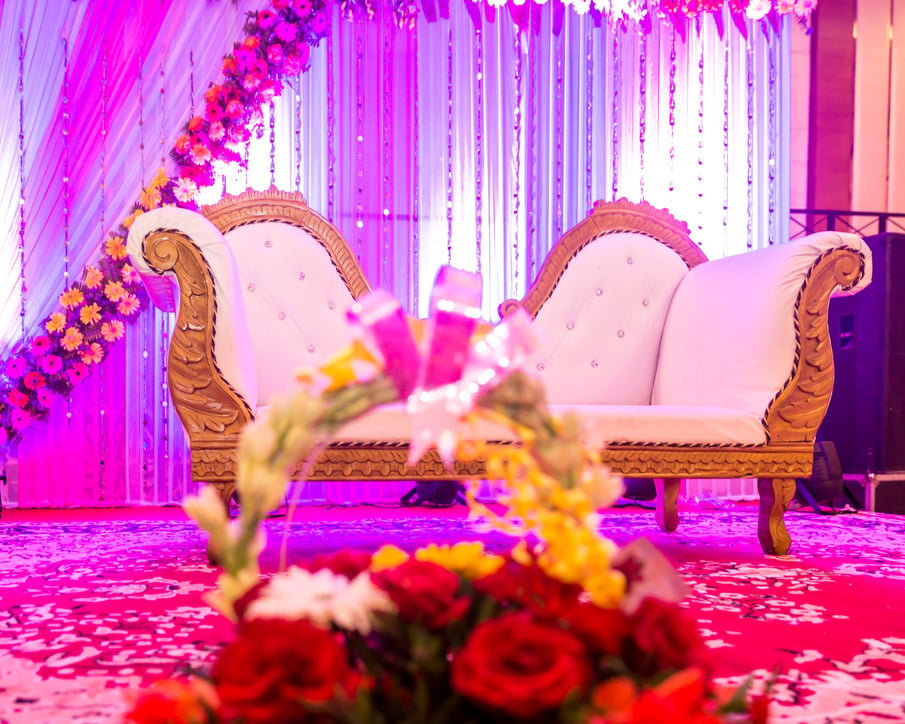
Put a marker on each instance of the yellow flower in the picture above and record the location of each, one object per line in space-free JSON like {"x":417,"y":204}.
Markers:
{"x":72,"y":339}
{"x":93,"y":277}
{"x":115,"y":247}
{"x":72,"y":297}
{"x":150,"y":198}
{"x":353,"y":364}
{"x":388,"y":556}
{"x":128,"y":224}
{"x":90,"y":314}
{"x":160,"y":180}
{"x":467,"y":559}
{"x":56,"y":323}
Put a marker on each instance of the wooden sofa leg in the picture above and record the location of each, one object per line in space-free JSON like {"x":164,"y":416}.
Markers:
{"x":775,"y":496}
{"x":667,"y":512}
{"x":225,"y":492}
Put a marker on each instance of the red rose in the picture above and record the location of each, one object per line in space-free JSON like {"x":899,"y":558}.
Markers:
{"x":174,"y":701}
{"x":519,"y":667}
{"x":275,"y":666}
{"x":603,"y":630}
{"x":425,"y":593}
{"x":666,"y":637}
{"x":531,"y":588}
{"x":345,"y":562}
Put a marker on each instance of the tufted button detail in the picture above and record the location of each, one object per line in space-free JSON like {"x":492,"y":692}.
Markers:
{"x":645,"y":302}
{"x":630,"y":260}
{"x":331,"y":306}
{"x":599,"y":292}
{"x":301,"y":276}
{"x":251,"y":287}
{"x":281,"y":315}
{"x":594,"y":363}
{"x":268,"y":243}
{"x":540,"y":366}
{"x":620,"y":333}
{"x":311,"y":348}
{"x":570,"y":325}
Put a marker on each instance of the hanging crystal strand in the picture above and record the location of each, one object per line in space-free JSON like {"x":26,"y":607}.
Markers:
{"x":749,"y":68}
{"x":726,"y":145}
{"x":21,"y":87}
{"x":478,"y":149}
{"x":141,"y":124}
{"x":558,"y":130}
{"x":771,"y":139}
{"x":102,"y":220}
{"x":642,"y":110}
{"x":359,"y":136}
{"x":700,"y":209}
{"x":615,"y":118}
{"x":589,"y":117}
{"x":672,"y":108}
{"x":191,"y":84}
{"x":416,"y":184}
{"x":273,"y":143}
{"x":331,"y":127}
{"x":163,"y":116}
{"x":449,"y":145}
{"x":298,"y":131}
{"x":387,"y":28}
{"x":65,"y":131}
{"x":516,"y":155}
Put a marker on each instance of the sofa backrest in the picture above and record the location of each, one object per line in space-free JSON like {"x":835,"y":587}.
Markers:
{"x":295,"y":301}
{"x":600,"y":328}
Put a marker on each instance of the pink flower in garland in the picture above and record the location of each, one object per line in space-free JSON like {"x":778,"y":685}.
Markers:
{"x":44,"y":397}
{"x":183,"y":143}
{"x":785,"y":6}
{"x":266,"y":19}
{"x":804,"y":8}
{"x":78,"y":372}
{"x":213,"y":112}
{"x":34,"y":380}
{"x":4,"y":436}
{"x":40,"y":345}
{"x":251,"y":81}
{"x":286,"y":32}
{"x":200,"y":154}
{"x":185,"y":191}
{"x":15,"y":368}
{"x":217,"y":131}
{"x":235,"y":108}
{"x":320,"y":23}
{"x":17,"y":398}
{"x":130,"y":274}
{"x":275,"y":54}
{"x":93,"y":354}
{"x":20,"y":419}
{"x":128,"y":305}
{"x":51,"y":364}
{"x":113,"y":330}
{"x":302,"y":7}
{"x":72,"y":339}
{"x":757,"y":9}
{"x":90,"y":314}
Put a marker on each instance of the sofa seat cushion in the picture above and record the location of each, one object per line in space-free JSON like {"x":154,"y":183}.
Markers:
{"x":606,"y":423}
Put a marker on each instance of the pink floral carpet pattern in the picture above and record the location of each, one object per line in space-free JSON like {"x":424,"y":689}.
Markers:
{"x":92,"y":609}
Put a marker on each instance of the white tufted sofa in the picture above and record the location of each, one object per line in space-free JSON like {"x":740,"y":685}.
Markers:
{"x":684,"y":367}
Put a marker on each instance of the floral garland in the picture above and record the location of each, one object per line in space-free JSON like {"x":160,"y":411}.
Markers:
{"x":278,"y":39}
{"x":562,"y":628}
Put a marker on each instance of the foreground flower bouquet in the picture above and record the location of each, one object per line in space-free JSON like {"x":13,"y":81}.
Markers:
{"x":563,"y":627}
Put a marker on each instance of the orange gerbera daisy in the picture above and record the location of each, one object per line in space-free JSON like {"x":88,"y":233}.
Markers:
{"x":113,"y":330}
{"x":129,"y":220}
{"x":72,"y":297}
{"x":56,"y":323}
{"x":130,"y":274}
{"x":90,"y":314}
{"x":115,"y":247}
{"x":150,"y":198}
{"x":93,"y":277}
{"x":160,"y":179}
{"x":114,"y":291}
{"x":72,"y":339}
{"x":92,"y":355}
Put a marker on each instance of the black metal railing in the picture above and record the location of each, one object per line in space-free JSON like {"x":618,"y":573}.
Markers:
{"x":866,"y":223}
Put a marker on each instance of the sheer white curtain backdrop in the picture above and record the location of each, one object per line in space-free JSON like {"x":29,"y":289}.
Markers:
{"x":455,"y":141}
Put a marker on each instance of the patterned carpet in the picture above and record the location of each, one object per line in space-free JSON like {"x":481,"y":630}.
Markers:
{"x":93,"y":606}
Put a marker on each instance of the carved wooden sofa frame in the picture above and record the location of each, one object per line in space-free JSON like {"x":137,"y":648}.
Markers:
{"x":214,"y":413}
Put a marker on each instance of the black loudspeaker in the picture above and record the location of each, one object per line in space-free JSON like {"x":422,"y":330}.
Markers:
{"x":866,"y":415}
